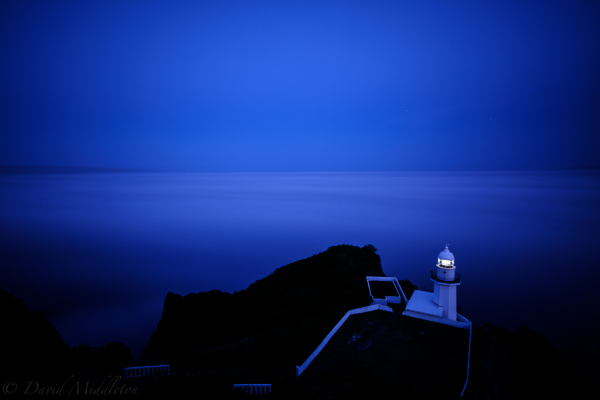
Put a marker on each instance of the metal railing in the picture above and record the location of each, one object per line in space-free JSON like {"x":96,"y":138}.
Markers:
{"x":435,"y":278}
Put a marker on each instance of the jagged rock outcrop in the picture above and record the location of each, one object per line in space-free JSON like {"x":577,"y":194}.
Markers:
{"x":32,"y":350}
{"x":277,"y":320}
{"x":31,"y":346}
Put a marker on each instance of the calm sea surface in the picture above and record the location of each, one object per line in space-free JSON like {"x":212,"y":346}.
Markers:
{"x":99,"y":251}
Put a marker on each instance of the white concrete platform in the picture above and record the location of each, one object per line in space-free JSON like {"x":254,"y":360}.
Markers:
{"x":422,"y":302}
{"x":421,"y":306}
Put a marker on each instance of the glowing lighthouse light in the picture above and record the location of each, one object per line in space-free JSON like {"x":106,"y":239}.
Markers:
{"x":446,"y":271}
{"x":446,"y":259}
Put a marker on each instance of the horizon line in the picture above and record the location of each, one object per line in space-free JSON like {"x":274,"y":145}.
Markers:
{"x":63,"y":168}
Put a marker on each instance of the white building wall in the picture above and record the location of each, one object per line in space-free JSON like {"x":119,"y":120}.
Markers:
{"x":444,"y":298}
{"x":451,"y":310}
{"x":393,"y":299}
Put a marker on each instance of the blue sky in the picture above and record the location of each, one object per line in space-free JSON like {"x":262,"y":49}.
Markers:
{"x":300,"y":86}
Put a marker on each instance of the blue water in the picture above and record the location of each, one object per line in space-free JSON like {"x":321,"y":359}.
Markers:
{"x":101,"y":250}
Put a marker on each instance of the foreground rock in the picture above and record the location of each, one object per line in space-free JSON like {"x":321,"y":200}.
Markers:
{"x":214,"y":339}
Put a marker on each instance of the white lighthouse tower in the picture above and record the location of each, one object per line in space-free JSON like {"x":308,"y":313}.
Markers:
{"x":439,"y":306}
{"x":445,"y":280}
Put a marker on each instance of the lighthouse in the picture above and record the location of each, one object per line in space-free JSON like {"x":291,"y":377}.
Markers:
{"x":439,"y":306}
{"x":445,"y":280}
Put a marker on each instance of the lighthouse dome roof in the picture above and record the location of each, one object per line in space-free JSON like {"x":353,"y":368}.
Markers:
{"x":446,"y":255}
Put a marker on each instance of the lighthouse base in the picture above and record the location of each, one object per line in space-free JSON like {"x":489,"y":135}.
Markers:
{"x":421,"y":306}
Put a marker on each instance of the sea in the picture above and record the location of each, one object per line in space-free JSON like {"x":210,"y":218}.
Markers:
{"x":97,"y":252}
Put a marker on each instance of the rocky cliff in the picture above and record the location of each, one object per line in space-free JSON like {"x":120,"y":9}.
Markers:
{"x":276,"y":321}
{"x":32,"y":349}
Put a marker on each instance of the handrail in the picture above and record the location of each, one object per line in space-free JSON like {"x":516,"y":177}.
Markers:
{"x":300,"y":369}
{"x":463,"y":319}
{"x":394,"y":280}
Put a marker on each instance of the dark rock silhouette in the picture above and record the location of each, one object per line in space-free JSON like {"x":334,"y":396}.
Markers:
{"x":521,"y":365}
{"x":112,"y":358}
{"x":32,"y":350}
{"x":30,"y":345}
{"x":282,"y":317}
